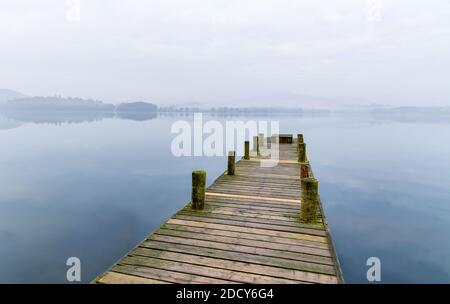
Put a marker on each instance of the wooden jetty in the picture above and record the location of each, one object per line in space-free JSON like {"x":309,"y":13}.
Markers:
{"x":250,"y":229}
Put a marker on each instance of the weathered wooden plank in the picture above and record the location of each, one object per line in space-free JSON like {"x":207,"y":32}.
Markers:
{"x":280,"y":161}
{"x":244,"y":242}
{"x":262,"y":198}
{"x":249,"y":174}
{"x":251,"y":218}
{"x":199,"y":218}
{"x":216,"y":244}
{"x":258,"y":214}
{"x":260,"y":179}
{"x":251,"y":203}
{"x":112,"y":277}
{"x":204,"y":271}
{"x":247,"y":236}
{"x":243,"y":257}
{"x":167,"y":275}
{"x":238,"y":266}
{"x":299,"y":236}
{"x":252,"y":213}
{"x":258,"y":183}
{"x":292,"y":193}
{"x":256,"y":191}
{"x":243,"y":205}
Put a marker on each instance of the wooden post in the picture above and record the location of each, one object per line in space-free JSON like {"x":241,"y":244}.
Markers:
{"x":304,"y":170}
{"x":247,"y":150}
{"x":255,"y":143}
{"x":198,"y":189}
{"x":274,"y":138}
{"x":285,"y":139}
{"x":231,"y":162}
{"x":299,"y":140}
{"x":301,"y":148}
{"x":309,"y":200}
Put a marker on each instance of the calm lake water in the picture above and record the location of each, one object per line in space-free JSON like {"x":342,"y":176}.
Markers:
{"x":93,"y":189}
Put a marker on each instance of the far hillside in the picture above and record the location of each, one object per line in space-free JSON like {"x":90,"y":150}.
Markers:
{"x":47,"y":104}
{"x":137,"y":107}
{"x":6,"y":95}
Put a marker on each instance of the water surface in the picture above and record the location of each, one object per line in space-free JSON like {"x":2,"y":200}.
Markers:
{"x":93,"y":188}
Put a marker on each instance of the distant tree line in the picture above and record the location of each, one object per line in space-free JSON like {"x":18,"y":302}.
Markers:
{"x":231,"y":110}
{"x":58,"y":103}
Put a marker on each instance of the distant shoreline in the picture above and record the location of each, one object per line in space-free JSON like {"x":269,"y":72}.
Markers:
{"x":58,"y":104}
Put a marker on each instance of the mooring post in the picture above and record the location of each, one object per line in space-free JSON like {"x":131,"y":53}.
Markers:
{"x":304,"y":170}
{"x":261,"y":139}
{"x":231,"y":162}
{"x":247,"y":149}
{"x":257,"y":144}
{"x":301,"y":148}
{"x":299,"y":139}
{"x":198,"y":189}
{"x":309,"y":199}
{"x":274,"y":138}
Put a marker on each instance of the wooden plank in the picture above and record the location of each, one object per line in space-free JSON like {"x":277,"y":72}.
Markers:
{"x":272,"y":199}
{"x":255,"y":180}
{"x":231,"y":276}
{"x":252,"y":218}
{"x":242,"y":205}
{"x":261,"y":190}
{"x":252,"y":213}
{"x":120,"y":278}
{"x":243,"y":236}
{"x":246,"y":203}
{"x":244,"y":242}
{"x":280,"y":161}
{"x":287,"y":181}
{"x":166,"y":275}
{"x":216,"y":244}
{"x":239,"y":256}
{"x":274,"y":194}
{"x":247,"y":224}
{"x":237,"y":266}
{"x":249,"y":174}
{"x":299,"y":236}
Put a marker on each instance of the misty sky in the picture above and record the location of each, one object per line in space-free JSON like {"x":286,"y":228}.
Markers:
{"x":173,"y":51}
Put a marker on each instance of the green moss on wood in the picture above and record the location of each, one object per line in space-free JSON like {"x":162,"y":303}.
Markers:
{"x":309,"y":200}
{"x":198,"y":189}
{"x":304,"y":170}
{"x":247,"y":150}
{"x":231,"y":162}
{"x":301,"y":148}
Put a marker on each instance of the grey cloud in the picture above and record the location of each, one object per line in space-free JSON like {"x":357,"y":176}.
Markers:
{"x":228,"y":51}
